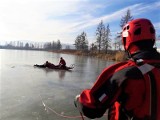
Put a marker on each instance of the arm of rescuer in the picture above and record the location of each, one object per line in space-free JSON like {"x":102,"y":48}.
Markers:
{"x":105,"y":92}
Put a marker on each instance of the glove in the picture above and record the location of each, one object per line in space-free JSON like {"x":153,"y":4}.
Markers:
{"x":77,"y":97}
{"x":76,"y":102}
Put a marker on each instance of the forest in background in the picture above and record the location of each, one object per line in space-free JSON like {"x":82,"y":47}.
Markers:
{"x":104,"y":47}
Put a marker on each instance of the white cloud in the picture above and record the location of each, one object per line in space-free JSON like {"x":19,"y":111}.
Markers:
{"x":53,"y":19}
{"x":106,"y":18}
{"x":40,"y":19}
{"x":117,"y":15}
{"x":29,"y":19}
{"x":157,"y":27}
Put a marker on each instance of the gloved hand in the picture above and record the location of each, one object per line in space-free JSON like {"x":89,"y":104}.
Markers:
{"x":76,"y":102}
{"x":78,"y":105}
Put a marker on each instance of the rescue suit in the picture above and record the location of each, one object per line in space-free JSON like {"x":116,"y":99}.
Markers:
{"x":127,"y":90}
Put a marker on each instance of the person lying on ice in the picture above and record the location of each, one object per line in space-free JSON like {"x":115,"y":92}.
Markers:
{"x":46,"y":65}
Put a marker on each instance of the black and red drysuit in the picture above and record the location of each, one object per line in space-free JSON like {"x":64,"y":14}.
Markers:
{"x":130,"y":90}
{"x":62,"y":63}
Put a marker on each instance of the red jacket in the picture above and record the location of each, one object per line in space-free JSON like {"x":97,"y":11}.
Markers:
{"x":62,"y":62}
{"x":132,"y":88}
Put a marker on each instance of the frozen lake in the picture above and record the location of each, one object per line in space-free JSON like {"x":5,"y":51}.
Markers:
{"x":24,"y":88}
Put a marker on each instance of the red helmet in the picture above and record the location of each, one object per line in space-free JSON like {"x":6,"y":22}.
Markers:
{"x":137,"y":30}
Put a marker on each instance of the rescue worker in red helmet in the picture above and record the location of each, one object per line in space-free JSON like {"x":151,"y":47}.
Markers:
{"x":129,"y":89}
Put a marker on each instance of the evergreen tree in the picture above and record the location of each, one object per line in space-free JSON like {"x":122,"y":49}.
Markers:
{"x":124,"y":20}
{"x":106,"y":39}
{"x":27,"y":45}
{"x":100,"y":35}
{"x":48,"y":46}
{"x":53,"y":45}
{"x":81,"y":42}
{"x":84,"y":41}
{"x":59,"y":46}
{"x":77,"y":42}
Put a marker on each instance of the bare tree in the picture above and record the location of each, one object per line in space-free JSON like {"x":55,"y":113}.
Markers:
{"x":93,"y":47}
{"x":67,"y":47}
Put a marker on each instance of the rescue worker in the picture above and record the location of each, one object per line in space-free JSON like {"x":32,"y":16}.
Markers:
{"x":62,"y":63}
{"x":129,"y":89}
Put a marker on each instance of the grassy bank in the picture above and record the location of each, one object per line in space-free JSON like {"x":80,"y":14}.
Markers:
{"x":112,"y":55}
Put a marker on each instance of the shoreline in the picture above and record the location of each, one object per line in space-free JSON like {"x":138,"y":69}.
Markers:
{"x":113,"y":55}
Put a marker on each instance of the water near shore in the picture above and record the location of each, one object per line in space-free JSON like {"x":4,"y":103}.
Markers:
{"x":29,"y":93}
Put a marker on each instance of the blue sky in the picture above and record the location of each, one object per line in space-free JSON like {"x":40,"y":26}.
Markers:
{"x":48,"y":20}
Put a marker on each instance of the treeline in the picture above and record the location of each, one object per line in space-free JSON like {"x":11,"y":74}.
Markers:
{"x":55,"y":45}
{"x":103,"y":42}
{"x":22,"y":45}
